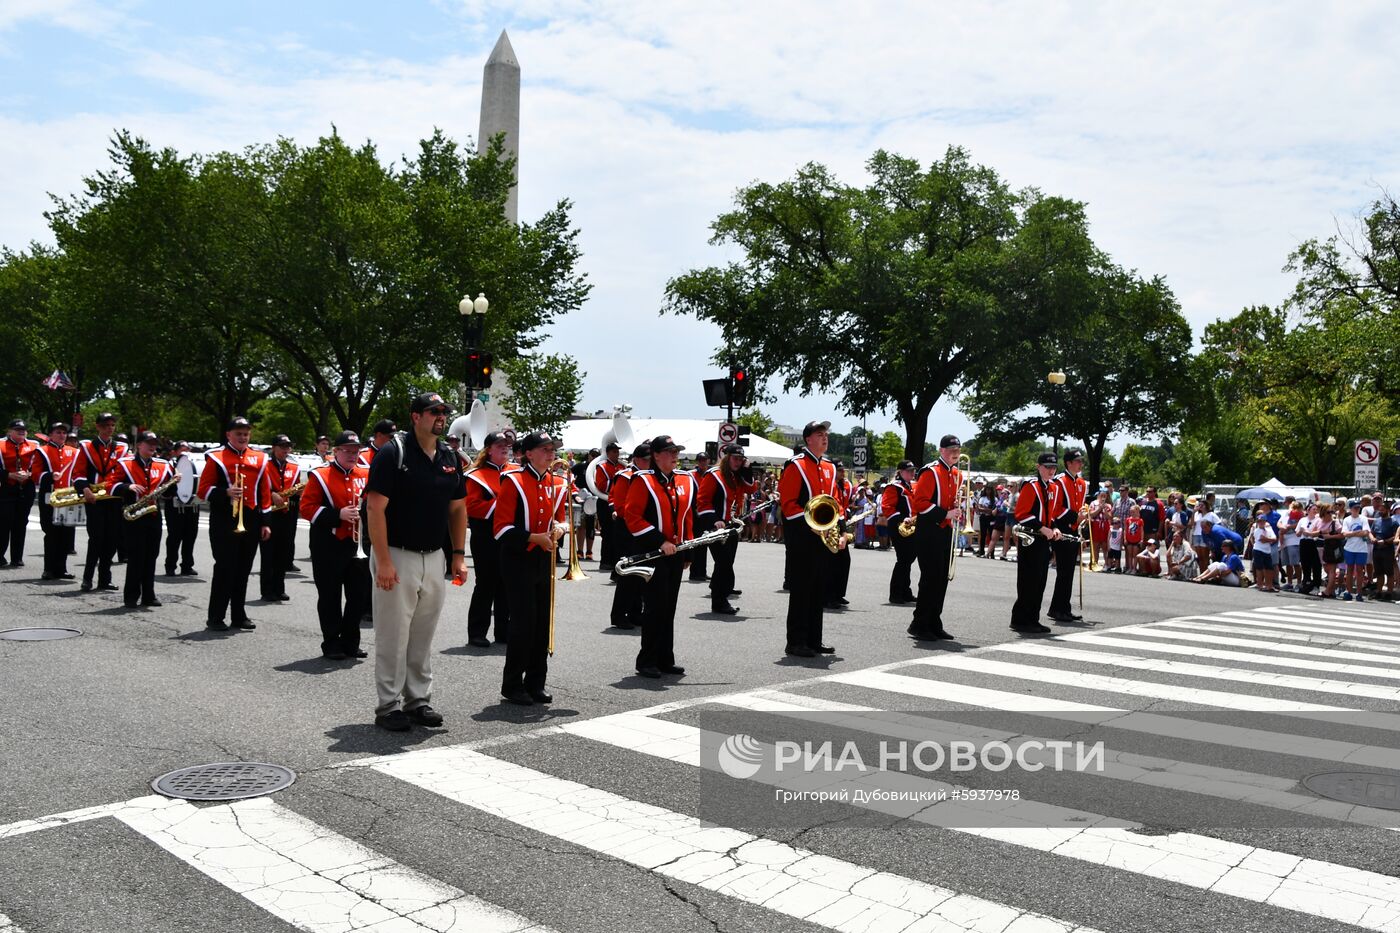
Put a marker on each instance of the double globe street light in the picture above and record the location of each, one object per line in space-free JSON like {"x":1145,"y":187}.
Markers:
{"x":476,"y":362}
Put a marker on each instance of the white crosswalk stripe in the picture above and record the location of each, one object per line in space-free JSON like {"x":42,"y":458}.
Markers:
{"x":1294,"y":662}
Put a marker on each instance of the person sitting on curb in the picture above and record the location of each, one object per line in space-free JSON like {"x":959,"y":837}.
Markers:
{"x":1228,"y":571}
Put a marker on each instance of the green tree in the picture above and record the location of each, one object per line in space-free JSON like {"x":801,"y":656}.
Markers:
{"x":889,"y":295}
{"x":35,"y":336}
{"x":1135,"y":466}
{"x":1190,"y":465}
{"x":545,"y":389}
{"x":887,"y":452}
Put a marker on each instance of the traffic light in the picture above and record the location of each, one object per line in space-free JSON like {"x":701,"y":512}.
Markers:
{"x":739,"y":386}
{"x":484,"y":369}
{"x":744,"y":433}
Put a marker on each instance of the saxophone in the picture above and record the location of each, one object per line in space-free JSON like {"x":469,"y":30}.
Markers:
{"x":286,"y":494}
{"x":147,"y":504}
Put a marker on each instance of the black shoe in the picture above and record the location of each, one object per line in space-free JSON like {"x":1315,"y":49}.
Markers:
{"x":17,"y":563}
{"x":695,"y":579}
{"x":335,"y":656}
{"x":3,"y":562}
{"x":106,"y":587}
{"x":623,"y":625}
{"x":832,"y":604}
{"x":246,"y":624}
{"x":151,"y":603}
{"x":901,"y":600}
{"x":939,"y":634}
{"x":723,"y":609}
{"x":66,"y":576}
{"x":281,"y":597}
{"x":917,"y":630}
{"x":1066,"y":617}
{"x":425,"y":715}
{"x":170,"y":571}
{"x":843,"y":600}
{"x":736,"y":592}
{"x":671,"y":669}
{"x":823,"y":649}
{"x":540,"y":696}
{"x":1035,"y":628}
{"x":395,"y":721}
{"x":650,"y":672}
{"x":478,"y":643}
{"x":357,"y":653}
{"x":129,"y":605}
{"x":48,"y":576}
{"x":519,"y":696}
{"x":799,"y":651}
{"x":189,"y":573}
{"x":216,"y":626}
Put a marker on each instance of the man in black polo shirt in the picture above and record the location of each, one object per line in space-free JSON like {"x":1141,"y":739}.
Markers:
{"x":414,"y":498}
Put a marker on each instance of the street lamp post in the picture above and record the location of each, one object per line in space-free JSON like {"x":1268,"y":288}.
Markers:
{"x":473,"y":314}
{"x":1056,"y":379}
{"x":1331,"y":455}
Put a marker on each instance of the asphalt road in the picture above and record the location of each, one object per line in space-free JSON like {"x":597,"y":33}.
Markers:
{"x":90,"y":721}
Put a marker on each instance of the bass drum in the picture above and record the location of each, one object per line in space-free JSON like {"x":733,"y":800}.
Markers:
{"x":185,"y":486}
{"x":590,"y":505}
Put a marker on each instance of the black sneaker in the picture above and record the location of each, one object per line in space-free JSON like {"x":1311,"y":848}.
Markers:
{"x":425,"y":715}
{"x":395,"y":721}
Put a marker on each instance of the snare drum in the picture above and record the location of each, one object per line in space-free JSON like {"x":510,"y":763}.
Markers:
{"x":71,"y":517}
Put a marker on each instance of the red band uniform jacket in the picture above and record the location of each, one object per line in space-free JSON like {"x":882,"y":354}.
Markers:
{"x":1070,"y":491}
{"x":483,"y":492}
{"x":528,"y":504}
{"x":897,"y":501}
{"x":131,"y":471}
{"x":222,"y":468}
{"x":936,"y":494}
{"x":94,"y":461}
{"x":1037,"y":504}
{"x":281,"y":479}
{"x":19,"y":457}
{"x":803,"y":477}
{"x":53,"y":466}
{"x":721,"y":498}
{"x":329,"y":490}
{"x":660,"y":509}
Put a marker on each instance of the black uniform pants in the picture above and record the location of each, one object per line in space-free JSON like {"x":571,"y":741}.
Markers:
{"x":15,"y":501}
{"x":342,"y":582}
{"x":933,"y":545}
{"x":906,"y":551}
{"x":722,"y":577}
{"x":700,"y":563}
{"x":1032,"y":567}
{"x":1066,"y":566}
{"x":104,"y":521}
{"x":629,"y":592}
{"x":181,"y":530}
{"x":276,"y":553}
{"x":659,"y":619}
{"x":233,"y":561}
{"x":488,"y":593}
{"x":840,"y":575}
{"x":809,"y":566}
{"x":142,"y":549}
{"x":614,"y":532}
{"x":58,"y":541}
{"x":527,"y":579}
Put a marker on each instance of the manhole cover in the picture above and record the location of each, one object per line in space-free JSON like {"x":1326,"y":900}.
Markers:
{"x":227,"y":780}
{"x":1366,"y":788}
{"x":38,"y":634}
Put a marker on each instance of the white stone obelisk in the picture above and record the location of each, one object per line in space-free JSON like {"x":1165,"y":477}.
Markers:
{"x":500,"y":110}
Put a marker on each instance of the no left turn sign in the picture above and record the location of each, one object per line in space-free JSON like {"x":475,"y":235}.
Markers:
{"x":1368,"y":453}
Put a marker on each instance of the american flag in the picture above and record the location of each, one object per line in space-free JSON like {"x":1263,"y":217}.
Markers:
{"x":60,"y":381}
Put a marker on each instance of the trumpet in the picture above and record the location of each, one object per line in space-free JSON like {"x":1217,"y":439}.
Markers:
{"x":287,"y":494}
{"x":66,"y":497}
{"x":964,"y":496}
{"x":1028,"y":537}
{"x":147,"y":504}
{"x":355,"y":525}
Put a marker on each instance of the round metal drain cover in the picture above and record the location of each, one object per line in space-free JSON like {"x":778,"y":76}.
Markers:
{"x":226,"y":780}
{"x":1365,"y":788}
{"x":38,"y":634}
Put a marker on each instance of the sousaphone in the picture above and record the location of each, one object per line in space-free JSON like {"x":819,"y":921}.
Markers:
{"x":621,"y":433}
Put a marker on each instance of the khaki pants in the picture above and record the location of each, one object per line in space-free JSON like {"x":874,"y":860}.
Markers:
{"x":405,"y":619}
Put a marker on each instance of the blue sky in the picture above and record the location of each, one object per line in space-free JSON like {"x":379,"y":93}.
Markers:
{"x":1207,"y":139}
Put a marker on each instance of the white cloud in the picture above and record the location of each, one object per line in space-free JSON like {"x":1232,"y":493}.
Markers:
{"x":1207,"y":139}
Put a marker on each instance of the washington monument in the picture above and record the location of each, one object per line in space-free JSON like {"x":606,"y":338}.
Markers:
{"x":500,"y":110}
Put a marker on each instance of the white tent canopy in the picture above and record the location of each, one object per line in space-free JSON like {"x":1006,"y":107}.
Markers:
{"x":691,"y":433}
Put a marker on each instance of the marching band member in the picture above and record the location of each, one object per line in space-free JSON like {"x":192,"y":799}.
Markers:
{"x":721,"y":499}
{"x":384,"y":431}
{"x":609,"y":520}
{"x":331,"y":506}
{"x":809,"y":563}
{"x":483,"y":493}
{"x":53,"y":463}
{"x":236,"y":486}
{"x":323,"y":449}
{"x":1036,"y":506}
{"x":181,"y":517}
{"x":1071,"y":488}
{"x":841,"y":571}
{"x":629,"y":592}
{"x":131,"y":478}
{"x":529,"y":521}
{"x":699,"y":561}
{"x":938,"y":517}
{"x":93,"y":462}
{"x":897,"y":504}
{"x":278,"y":550}
{"x":17,"y":493}
{"x":660,"y":514}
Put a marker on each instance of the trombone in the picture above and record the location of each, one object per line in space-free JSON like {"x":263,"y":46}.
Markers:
{"x":1085,"y":532}
{"x":560,"y":465}
{"x":965,"y":497}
